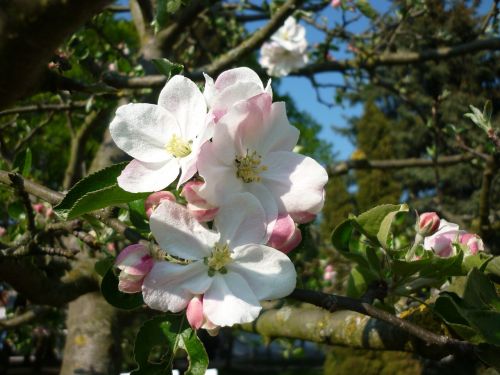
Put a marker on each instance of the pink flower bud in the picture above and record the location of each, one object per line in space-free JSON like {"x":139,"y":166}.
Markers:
{"x":38,"y":207}
{"x":134,"y":262}
{"x":428,"y":223}
{"x":285,"y":236}
{"x":155,"y":199}
{"x":473,"y":242}
{"x":194,"y":312}
{"x":329,"y":268}
{"x":302,"y":217}
{"x":336,"y":3}
{"x":199,"y":207}
{"x":2,"y":231}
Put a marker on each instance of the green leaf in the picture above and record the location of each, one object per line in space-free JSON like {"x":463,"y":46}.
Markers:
{"x":365,"y":8}
{"x":138,"y":215}
{"x":432,"y":267}
{"x":103,"y":265}
{"x":480,"y":292}
{"x":163,"y":10}
{"x":341,"y":238}
{"x":95,"y":200}
{"x":159,"y":339}
{"x":110,"y":292}
{"x":167,"y":68}
{"x":15,"y":210}
{"x":376,"y":222}
{"x":359,"y":279}
{"x":95,"y":191}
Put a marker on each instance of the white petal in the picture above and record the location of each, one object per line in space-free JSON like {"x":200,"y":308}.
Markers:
{"x":241,"y":220}
{"x":179,"y":233}
{"x":169,"y":286}
{"x":209,"y":90}
{"x":224,"y":99}
{"x":229,"y":301}
{"x":183,"y":99}
{"x":142,"y":131}
{"x":268,"y":272}
{"x":296,"y":180}
{"x":269,"y":203}
{"x":144,"y":177}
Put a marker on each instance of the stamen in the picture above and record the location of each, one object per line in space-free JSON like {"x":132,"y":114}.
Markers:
{"x":221,"y":256}
{"x":248,"y":167}
{"x":178,"y":147}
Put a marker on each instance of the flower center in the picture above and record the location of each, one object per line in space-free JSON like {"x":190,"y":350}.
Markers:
{"x":221,"y":256}
{"x":178,"y":147}
{"x":248,"y":167}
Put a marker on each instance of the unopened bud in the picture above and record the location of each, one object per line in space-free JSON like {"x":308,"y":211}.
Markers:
{"x":134,"y":262}
{"x":194,"y":312}
{"x":155,"y":199}
{"x":198,"y":206}
{"x":428,"y":223}
{"x":285,"y":236}
{"x":473,"y":242}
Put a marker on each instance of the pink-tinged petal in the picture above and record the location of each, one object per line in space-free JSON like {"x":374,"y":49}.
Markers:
{"x":282,"y":136}
{"x":143,"y":130}
{"x":153,"y":200}
{"x":295,"y":180}
{"x":283,"y":230}
{"x":129,"y":283}
{"x":134,"y":260}
{"x":138,"y":177}
{"x":239,"y":229}
{"x":234,"y":76}
{"x":179,"y":233}
{"x":203,"y":215}
{"x":268,"y":272}
{"x":305,"y":217}
{"x":194,"y":312}
{"x":170,"y":287}
{"x":229,"y":301}
{"x":229,"y":96}
{"x":191,"y":191}
{"x":268,"y":203}
{"x":209,"y":90}
{"x":183,"y":99}
{"x":293,"y":242}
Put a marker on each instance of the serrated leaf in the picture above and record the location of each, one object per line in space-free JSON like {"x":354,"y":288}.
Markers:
{"x":110,"y":292}
{"x":95,"y":191}
{"x":168,"y":333}
{"x":480,"y":292}
{"x":95,"y":200}
{"x":167,"y":67}
{"x":341,"y":238}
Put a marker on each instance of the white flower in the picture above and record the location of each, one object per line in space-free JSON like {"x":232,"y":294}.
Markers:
{"x":286,"y":51}
{"x":442,"y":241}
{"x":229,"y":267}
{"x":251,"y":151}
{"x":230,"y":87}
{"x":163,"y":138}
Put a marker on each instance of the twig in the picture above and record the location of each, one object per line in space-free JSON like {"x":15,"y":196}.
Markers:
{"x":42,"y":108}
{"x":18,"y":184}
{"x":34,"y":313}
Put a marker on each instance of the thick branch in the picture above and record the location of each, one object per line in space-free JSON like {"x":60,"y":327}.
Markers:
{"x":344,"y":167}
{"x":332,"y":303}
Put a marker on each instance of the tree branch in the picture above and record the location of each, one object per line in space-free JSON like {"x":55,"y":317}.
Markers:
{"x":401,"y":58}
{"x":332,"y":303}
{"x":344,"y":167}
{"x":34,"y":313}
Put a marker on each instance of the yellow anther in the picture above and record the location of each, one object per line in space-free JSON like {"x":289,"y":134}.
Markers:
{"x":178,"y":147}
{"x":221,"y":256}
{"x":248,"y":167}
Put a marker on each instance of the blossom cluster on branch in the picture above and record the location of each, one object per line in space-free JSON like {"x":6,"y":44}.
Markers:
{"x":230,"y":149}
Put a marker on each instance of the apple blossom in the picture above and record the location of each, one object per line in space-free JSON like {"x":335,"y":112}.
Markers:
{"x":473,"y":242}
{"x":285,"y":236}
{"x":336,"y":3}
{"x":286,"y":51}
{"x":251,"y":152}
{"x":134,"y":262}
{"x":231,"y":87}
{"x":199,"y":207}
{"x":163,"y":138}
{"x":229,"y":267}
{"x":442,"y":241}
{"x":197,"y":318}
{"x":428,"y":223}
{"x":153,"y":200}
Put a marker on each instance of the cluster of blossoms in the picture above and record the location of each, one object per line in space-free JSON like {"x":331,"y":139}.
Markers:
{"x":230,"y":150}
{"x":286,"y":51}
{"x":441,"y":236}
